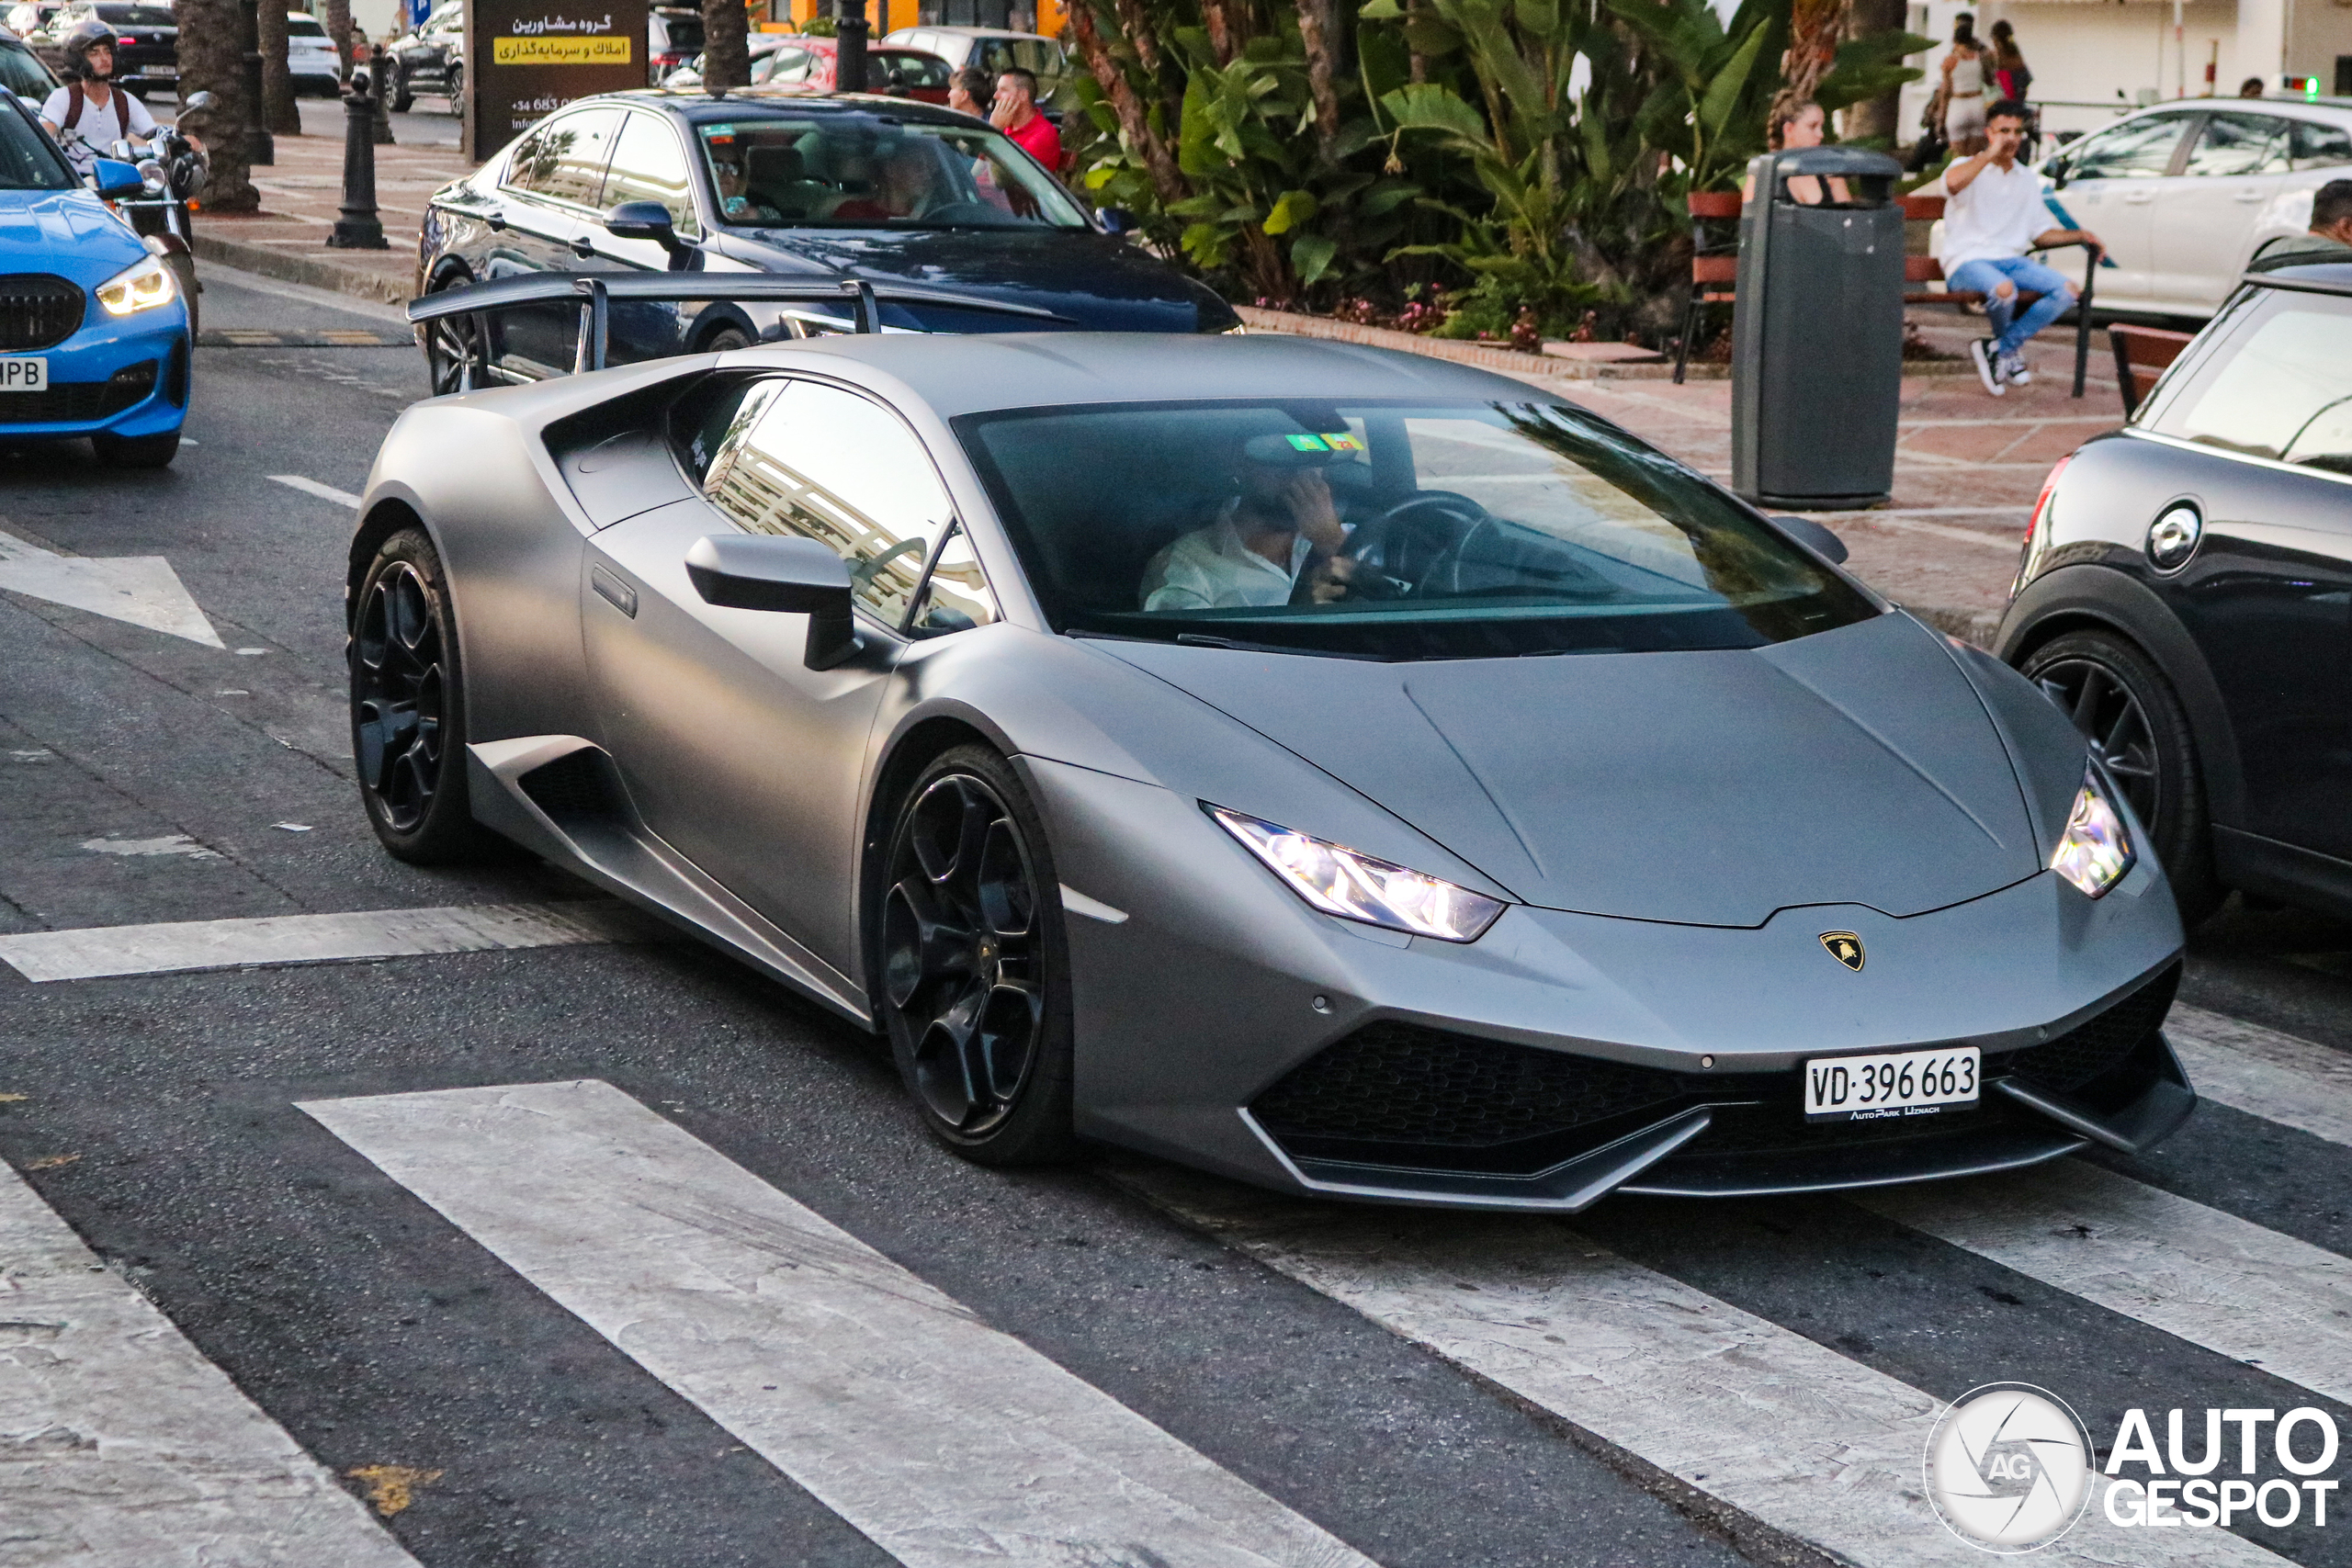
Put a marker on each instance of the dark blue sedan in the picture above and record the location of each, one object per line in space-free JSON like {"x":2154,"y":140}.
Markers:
{"x":825,"y":188}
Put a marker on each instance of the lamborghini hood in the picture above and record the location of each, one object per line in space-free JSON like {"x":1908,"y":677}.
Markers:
{"x":1855,"y":766}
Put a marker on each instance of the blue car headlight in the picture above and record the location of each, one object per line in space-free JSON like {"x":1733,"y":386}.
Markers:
{"x":144,"y":286}
{"x":1354,"y":886}
{"x":2094,"y":852}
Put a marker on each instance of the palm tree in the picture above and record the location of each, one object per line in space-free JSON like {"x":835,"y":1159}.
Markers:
{"x":212,"y":58}
{"x":726,"y":45}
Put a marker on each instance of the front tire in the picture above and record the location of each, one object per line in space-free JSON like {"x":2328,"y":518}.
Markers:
{"x":408,"y":720}
{"x":457,"y":89}
{"x":403,"y":97}
{"x":2128,"y":711}
{"x":973,"y":971}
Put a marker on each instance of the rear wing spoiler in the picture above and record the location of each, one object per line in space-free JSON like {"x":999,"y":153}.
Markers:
{"x":595,"y":292}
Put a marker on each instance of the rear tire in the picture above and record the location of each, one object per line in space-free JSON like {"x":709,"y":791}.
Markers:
{"x":408,"y":710}
{"x":2121,"y":702}
{"x":136,"y":451}
{"x":456,"y":90}
{"x":403,"y":97}
{"x":455,"y":343}
{"x":973,"y":971}
{"x":727,"y":340}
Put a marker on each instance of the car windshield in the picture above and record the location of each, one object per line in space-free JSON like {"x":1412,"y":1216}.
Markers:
{"x":1388,"y":532}
{"x":685,"y":33}
{"x":22,"y":73}
{"x":858,"y":171}
{"x":28,"y":161}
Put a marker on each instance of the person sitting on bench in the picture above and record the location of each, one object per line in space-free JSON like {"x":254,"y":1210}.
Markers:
{"x":1993,"y":217}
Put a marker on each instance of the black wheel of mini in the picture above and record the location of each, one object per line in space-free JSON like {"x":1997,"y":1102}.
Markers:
{"x":971,"y":967}
{"x":726,"y":340}
{"x":408,"y":707}
{"x":2124,"y":706}
{"x":455,"y":345}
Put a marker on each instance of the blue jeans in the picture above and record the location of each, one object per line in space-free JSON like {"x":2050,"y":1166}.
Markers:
{"x":2009,"y":329}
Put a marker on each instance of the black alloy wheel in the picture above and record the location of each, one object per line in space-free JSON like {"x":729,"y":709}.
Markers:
{"x":453,"y":345}
{"x":407,"y":728}
{"x":2123,"y":706}
{"x":970,"y":964}
{"x":726,"y":340}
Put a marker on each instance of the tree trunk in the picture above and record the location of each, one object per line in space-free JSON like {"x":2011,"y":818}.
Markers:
{"x":1220,"y":31}
{"x":1816,"y":29}
{"x":1135,"y":126}
{"x":282,"y":115}
{"x":212,"y":58}
{"x":1876,"y":119}
{"x":1319,"y":27}
{"x":1169,"y":83}
{"x":726,"y":45}
{"x":338,"y":25}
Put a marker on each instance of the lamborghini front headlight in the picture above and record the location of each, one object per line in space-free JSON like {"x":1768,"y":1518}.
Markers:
{"x":1339,"y":881}
{"x":142,"y":287}
{"x":2094,"y":852}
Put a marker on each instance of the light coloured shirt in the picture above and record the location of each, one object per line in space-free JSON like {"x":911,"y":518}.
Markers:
{"x":1213,"y":569}
{"x":100,"y":129}
{"x":1994,"y":217}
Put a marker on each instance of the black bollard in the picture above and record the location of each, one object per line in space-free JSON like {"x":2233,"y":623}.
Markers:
{"x":849,"y":47}
{"x":358,"y":229}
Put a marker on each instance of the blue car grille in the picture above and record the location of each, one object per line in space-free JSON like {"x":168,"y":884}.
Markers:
{"x":37,"y":310}
{"x":78,"y":402}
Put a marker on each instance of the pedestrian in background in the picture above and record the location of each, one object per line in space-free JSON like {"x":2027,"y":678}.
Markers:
{"x":1015,"y":113}
{"x":1993,"y":217}
{"x":1791,"y":124}
{"x":968,"y":92}
{"x":2011,"y":76}
{"x":1967,"y":66}
{"x":2251,"y":87}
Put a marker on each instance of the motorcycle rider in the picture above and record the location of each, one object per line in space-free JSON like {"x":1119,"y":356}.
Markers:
{"x":90,"y":114}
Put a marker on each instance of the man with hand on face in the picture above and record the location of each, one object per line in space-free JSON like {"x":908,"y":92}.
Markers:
{"x":1994,"y":217}
{"x":1015,"y":113}
{"x":1282,"y":522}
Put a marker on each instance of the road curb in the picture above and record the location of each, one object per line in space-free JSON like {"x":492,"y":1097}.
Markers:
{"x":358,"y":282}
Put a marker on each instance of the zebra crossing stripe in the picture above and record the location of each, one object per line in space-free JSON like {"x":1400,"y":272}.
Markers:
{"x":2265,"y":1073}
{"x":945,"y":1441}
{"x":1810,"y":1444}
{"x":102,"y":951}
{"x":2234,"y":1287}
{"x":122,"y":1447}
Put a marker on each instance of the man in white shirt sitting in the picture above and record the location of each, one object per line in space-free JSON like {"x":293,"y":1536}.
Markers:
{"x":1994,"y":215}
{"x":90,"y":115}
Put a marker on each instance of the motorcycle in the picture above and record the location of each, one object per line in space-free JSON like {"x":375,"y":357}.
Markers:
{"x":176,"y":170}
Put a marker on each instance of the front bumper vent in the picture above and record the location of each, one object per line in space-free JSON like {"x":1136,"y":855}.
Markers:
{"x":79,"y":402}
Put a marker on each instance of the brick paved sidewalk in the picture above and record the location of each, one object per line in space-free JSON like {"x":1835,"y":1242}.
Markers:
{"x":302,"y":193}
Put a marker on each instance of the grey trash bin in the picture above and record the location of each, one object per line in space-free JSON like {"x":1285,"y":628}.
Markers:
{"x":1817,"y":365}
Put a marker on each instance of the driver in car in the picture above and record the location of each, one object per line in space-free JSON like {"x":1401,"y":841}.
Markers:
{"x":1279,"y":524}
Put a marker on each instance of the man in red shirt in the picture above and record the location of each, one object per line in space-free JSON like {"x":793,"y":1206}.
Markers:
{"x":1016,"y":115}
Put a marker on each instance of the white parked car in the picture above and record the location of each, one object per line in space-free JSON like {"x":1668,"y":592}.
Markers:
{"x":310,"y":58}
{"x":2184,"y":192}
{"x":990,"y":49}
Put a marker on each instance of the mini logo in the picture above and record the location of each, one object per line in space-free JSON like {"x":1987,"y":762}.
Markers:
{"x":1845,"y":947}
{"x":2009,"y":1467}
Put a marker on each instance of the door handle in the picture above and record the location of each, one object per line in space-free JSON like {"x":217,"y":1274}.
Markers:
{"x":497,"y":221}
{"x":2139,"y":198}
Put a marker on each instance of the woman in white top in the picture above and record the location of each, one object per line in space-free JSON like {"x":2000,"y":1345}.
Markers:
{"x":1965,"y":65}
{"x":88,"y":114}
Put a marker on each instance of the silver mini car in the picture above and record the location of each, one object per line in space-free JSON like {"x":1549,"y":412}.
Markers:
{"x":1351,"y":773}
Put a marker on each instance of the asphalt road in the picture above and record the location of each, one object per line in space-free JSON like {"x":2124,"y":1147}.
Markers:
{"x":148,"y":778}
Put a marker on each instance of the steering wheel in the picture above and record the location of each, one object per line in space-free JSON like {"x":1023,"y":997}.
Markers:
{"x":1509,"y":568}
{"x":1394,"y":552}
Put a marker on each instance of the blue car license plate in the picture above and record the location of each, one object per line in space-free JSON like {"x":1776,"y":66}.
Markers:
{"x":23,"y":373}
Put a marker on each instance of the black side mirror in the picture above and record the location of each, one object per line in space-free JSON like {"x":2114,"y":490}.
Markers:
{"x":768,"y":572}
{"x":1117,"y":220}
{"x":1816,"y":536}
{"x":648,"y":221}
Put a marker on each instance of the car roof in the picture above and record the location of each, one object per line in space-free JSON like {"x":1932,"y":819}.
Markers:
{"x":972,"y":32}
{"x":980,"y":372}
{"x":2313,"y":277}
{"x":699,"y":108}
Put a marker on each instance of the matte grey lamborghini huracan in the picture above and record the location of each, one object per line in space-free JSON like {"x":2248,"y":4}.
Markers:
{"x":1344,"y":771}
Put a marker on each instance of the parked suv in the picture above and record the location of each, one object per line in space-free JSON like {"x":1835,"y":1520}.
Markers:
{"x":430,"y":60}
{"x":2184,"y":192}
{"x":672,"y":38}
{"x":992,"y":49}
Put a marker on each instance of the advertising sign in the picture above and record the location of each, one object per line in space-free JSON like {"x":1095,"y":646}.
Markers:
{"x":526,"y":58}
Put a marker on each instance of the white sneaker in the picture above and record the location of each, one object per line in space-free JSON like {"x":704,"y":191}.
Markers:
{"x":2014,"y":371}
{"x":1988,"y":369}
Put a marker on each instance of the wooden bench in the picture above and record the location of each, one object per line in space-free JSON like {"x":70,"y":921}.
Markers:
{"x":1714,"y":263}
{"x":2142,"y":354}
{"x":1927,"y":269}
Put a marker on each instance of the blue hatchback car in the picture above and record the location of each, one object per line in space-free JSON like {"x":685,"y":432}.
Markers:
{"x":94,"y":335}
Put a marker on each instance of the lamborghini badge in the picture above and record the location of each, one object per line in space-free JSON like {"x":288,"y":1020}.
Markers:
{"x":1845,"y":947}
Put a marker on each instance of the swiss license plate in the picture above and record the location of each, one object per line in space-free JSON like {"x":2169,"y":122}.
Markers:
{"x":23,"y":373}
{"x":1903,"y":1083}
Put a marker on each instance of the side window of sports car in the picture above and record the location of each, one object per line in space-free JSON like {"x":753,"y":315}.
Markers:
{"x":814,"y":460}
{"x":955,"y":596}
